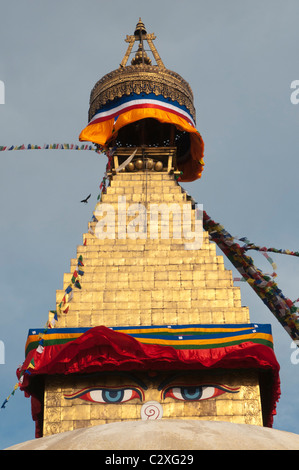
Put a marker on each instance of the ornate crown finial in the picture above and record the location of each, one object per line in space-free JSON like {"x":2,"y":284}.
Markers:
{"x":141,"y":35}
{"x":155,"y":89}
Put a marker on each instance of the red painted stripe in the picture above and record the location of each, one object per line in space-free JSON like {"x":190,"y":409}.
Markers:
{"x":140,"y":106}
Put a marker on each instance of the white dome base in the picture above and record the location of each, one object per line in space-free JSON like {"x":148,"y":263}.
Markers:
{"x":167,"y":435}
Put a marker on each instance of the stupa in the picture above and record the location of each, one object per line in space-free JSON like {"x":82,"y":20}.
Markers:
{"x":148,"y":323}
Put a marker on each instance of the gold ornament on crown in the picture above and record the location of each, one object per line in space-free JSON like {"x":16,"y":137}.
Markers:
{"x":141,"y":77}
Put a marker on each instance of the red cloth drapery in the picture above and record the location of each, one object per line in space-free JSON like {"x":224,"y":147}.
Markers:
{"x":102,"y":349}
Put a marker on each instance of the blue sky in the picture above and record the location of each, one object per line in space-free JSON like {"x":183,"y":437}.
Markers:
{"x":239,"y":58}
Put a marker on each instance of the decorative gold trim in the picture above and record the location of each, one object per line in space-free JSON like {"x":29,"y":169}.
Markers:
{"x":141,"y":79}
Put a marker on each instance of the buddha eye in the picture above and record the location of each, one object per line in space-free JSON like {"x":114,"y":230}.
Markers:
{"x":107,"y":395}
{"x":196,"y":392}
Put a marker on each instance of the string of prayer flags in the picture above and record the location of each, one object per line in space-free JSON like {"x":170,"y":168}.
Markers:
{"x":54,"y":319}
{"x":252,"y":246}
{"x":47,"y":147}
{"x":272,"y":275}
{"x":75,"y":274}
{"x":64,"y":305}
{"x":90,"y":229}
{"x":103,"y":186}
{"x":179,"y":177}
{"x":5,"y":401}
{"x":270,"y":260}
{"x":11,"y":394}
{"x":265,"y":287}
{"x":239,"y":279}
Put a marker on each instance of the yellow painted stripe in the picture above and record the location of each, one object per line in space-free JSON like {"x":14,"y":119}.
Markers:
{"x":179,"y":330}
{"x":241,"y":338}
{"x":169,"y":341}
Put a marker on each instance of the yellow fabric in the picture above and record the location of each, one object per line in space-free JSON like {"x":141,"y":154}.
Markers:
{"x":102,"y":132}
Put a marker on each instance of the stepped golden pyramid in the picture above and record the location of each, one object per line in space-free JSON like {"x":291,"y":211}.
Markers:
{"x":148,"y":324}
{"x":148,"y":281}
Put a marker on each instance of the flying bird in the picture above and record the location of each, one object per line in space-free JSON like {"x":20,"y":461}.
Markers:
{"x":86,"y":199}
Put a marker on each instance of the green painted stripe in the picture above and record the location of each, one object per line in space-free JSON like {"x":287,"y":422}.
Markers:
{"x":210,"y":345}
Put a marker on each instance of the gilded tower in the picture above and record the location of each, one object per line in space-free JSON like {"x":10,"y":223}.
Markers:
{"x":148,"y":323}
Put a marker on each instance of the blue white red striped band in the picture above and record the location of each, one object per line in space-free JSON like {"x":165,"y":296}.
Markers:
{"x":134,"y":101}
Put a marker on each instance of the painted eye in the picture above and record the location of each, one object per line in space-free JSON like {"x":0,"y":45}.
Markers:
{"x":196,"y":392}
{"x":111,"y":395}
{"x":107,"y":395}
